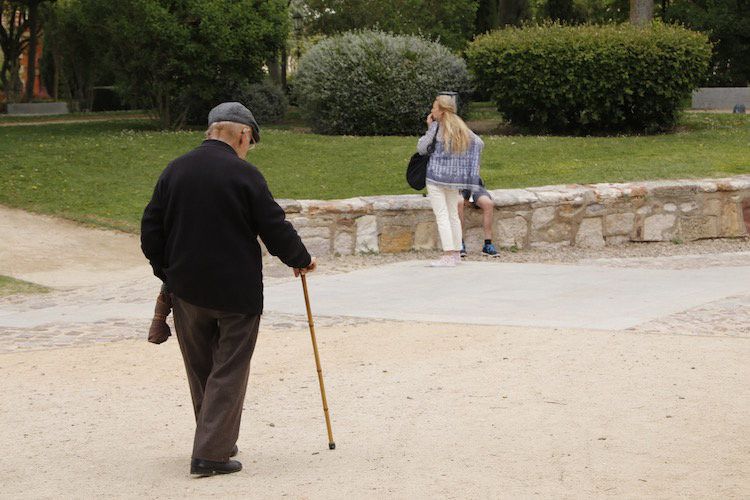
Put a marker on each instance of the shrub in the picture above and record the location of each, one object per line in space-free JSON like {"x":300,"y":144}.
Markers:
{"x":590,"y":78}
{"x":106,"y":99}
{"x":266,"y":100}
{"x":374,"y":83}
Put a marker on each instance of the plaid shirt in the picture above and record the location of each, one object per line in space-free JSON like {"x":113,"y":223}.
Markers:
{"x":460,"y":171}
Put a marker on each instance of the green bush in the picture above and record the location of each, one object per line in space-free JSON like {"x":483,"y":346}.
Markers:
{"x":266,"y":100}
{"x":374,"y":83}
{"x":585,"y":79}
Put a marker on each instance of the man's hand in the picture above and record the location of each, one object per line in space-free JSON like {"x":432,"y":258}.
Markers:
{"x":304,"y":270}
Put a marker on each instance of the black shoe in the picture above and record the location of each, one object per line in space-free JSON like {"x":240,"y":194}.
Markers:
{"x":205,"y":468}
{"x":235,"y":450}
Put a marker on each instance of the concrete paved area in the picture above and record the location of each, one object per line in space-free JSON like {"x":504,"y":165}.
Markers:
{"x":539,"y":295}
{"x":102,"y":279}
{"x":488,"y":293}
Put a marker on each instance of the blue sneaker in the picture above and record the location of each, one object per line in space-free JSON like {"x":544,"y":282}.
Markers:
{"x":462,"y":253}
{"x":489,"y":250}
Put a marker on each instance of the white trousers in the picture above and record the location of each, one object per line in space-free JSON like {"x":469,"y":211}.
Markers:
{"x":444,"y":203}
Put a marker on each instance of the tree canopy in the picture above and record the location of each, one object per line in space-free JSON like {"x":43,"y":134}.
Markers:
{"x":728,"y":25}
{"x":174,"y":56}
{"x":452,"y":23}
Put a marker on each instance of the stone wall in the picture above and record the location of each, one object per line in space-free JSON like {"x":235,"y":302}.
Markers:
{"x":721,"y":97}
{"x":38,"y":108}
{"x":573,"y":215}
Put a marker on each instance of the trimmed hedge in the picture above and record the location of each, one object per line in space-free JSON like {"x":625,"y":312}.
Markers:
{"x":583,"y":79}
{"x":374,"y":83}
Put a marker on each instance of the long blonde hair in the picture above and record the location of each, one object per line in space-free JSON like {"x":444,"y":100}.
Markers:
{"x":456,"y":134}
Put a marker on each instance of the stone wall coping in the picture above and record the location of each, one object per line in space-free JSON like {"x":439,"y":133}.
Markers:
{"x":37,"y":108}
{"x":576,"y":194}
{"x":720,"y":97}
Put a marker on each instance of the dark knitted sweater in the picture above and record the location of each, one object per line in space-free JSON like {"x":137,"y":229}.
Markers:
{"x":200,"y":230}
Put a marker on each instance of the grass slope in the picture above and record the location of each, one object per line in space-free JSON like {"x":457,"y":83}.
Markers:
{"x":10,"y":286}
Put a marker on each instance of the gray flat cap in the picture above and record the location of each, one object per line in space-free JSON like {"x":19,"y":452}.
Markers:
{"x":234,"y":112}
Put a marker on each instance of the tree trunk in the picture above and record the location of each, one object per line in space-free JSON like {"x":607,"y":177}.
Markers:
{"x":89,"y":97}
{"x":13,"y":24}
{"x":33,"y":39}
{"x":284,"y":60}
{"x":4,"y":74}
{"x":273,"y":69}
{"x":57,"y":58}
{"x":16,"y":86}
{"x":641,"y":12}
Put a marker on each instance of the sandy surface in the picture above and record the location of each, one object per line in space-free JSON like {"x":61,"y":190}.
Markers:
{"x":59,"y":253}
{"x":420,"y":410}
{"x":52,"y":121}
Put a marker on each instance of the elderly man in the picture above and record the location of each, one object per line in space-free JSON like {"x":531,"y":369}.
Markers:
{"x":199,"y":232}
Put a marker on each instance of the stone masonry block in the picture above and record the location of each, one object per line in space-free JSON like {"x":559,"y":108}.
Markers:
{"x":712,"y":207}
{"x":395,"y":239}
{"x":511,"y":232}
{"x":659,"y":227}
{"x":542,"y":216}
{"x":619,"y":224}
{"x":426,"y":236}
{"x":367,"y":234}
{"x":590,"y":233}
{"x":556,"y":232}
{"x":698,"y":227}
{"x":474,"y":239}
{"x":343,"y":243}
{"x":731,"y":222}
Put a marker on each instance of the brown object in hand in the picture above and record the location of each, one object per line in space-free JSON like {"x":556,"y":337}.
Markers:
{"x":159,"y":331}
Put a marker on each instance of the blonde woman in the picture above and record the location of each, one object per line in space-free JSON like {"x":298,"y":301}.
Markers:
{"x":454,"y":165}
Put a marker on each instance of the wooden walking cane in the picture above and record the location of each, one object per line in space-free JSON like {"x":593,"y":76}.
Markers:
{"x":331,"y":444}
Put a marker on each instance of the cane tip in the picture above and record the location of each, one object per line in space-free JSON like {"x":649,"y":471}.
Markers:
{"x":331,"y":446}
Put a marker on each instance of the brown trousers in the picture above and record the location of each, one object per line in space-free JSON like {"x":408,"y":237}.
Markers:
{"x":217,"y":347}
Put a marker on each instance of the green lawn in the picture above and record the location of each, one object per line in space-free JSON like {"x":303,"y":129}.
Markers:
{"x":10,"y":286}
{"x":103,"y":173}
{"x":70,"y":117}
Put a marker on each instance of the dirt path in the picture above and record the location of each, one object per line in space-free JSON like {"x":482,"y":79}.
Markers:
{"x":420,"y":410}
{"x":53,"y":121}
{"x":58,"y":253}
